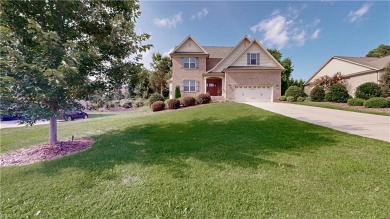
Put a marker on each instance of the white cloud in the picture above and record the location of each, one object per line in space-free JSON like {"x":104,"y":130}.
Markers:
{"x":168,"y":52}
{"x":202,"y":13}
{"x":356,"y":15}
{"x":316,"y":22}
{"x":146,"y":58}
{"x":316,"y":34}
{"x":275,"y":12}
{"x":300,"y":37}
{"x":275,"y":31}
{"x":169,"y":22}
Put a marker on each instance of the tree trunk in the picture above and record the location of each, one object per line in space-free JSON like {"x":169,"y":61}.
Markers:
{"x":161,"y":88}
{"x":53,"y":130}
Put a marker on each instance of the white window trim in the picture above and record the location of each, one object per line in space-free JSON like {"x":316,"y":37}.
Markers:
{"x":189,"y":61}
{"x":250,"y":58}
{"x":193,"y":86}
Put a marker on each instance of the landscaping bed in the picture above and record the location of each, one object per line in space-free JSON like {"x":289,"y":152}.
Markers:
{"x":345,"y":106}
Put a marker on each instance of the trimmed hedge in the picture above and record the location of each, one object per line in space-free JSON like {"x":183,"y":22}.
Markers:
{"x":126,"y":103}
{"x":317,"y":94}
{"x":301,"y":99}
{"x":282,"y":98}
{"x":290,"y":99}
{"x":337,"y":93}
{"x":355,"y":102}
{"x":295,"y":91}
{"x":368,"y":90}
{"x":173,"y":104}
{"x":377,"y":102}
{"x":187,"y":101}
{"x":158,"y":106}
{"x":203,"y":99}
{"x":155,"y":97}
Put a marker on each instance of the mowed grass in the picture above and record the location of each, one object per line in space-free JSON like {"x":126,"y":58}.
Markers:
{"x":331,"y":106}
{"x":223,"y":160}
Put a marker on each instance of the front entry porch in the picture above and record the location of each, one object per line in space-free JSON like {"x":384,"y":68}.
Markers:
{"x":214,"y":86}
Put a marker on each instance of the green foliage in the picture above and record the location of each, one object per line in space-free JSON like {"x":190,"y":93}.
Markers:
{"x":337,"y":93}
{"x":381,"y":51}
{"x":139,"y":103}
{"x":139,"y":85}
{"x":155,"y":97}
{"x":290,"y":99}
{"x":295,"y":92}
{"x":367,"y":90}
{"x":162,"y":71}
{"x":203,"y":99}
{"x":158,"y":106}
{"x":187,"y":101}
{"x":173,"y":104}
{"x":317,"y":94}
{"x":327,"y":81}
{"x":384,"y":82}
{"x":282,"y":98}
{"x":298,"y":83}
{"x":377,"y":102}
{"x":51,"y":49}
{"x":287,"y":64}
{"x":177,"y":92}
{"x":355,"y":102}
{"x":301,"y":99}
{"x":126,"y":103}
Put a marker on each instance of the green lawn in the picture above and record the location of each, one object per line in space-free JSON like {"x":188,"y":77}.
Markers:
{"x":331,"y":106}
{"x":223,"y":160}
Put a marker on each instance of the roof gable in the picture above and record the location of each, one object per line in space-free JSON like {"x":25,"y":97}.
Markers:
{"x":189,"y":45}
{"x":241,"y":45}
{"x":266,"y":59}
{"x":344,"y":65}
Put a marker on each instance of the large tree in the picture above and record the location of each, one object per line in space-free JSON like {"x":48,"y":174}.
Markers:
{"x":381,"y":51}
{"x":56,"y":52}
{"x":287,"y":64}
{"x":161,"y":72}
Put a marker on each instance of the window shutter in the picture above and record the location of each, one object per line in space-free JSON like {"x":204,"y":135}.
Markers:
{"x":182,"y":86}
{"x":257,"y":58}
{"x":248,"y":58}
{"x":197,"y":86}
{"x":197,"y":62}
{"x":182,"y":62}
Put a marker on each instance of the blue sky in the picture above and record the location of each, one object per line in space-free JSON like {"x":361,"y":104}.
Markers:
{"x":308,"y":32}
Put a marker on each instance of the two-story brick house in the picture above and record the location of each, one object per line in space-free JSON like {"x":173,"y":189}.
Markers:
{"x":245,"y":72}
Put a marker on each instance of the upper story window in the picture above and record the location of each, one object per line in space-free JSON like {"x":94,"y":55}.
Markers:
{"x":190,"y":62}
{"x":253,"y":59}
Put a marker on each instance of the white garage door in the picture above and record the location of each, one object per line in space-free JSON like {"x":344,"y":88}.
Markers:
{"x":243,"y":93}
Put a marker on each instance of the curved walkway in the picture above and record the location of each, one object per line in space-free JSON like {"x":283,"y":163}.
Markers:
{"x":363,"y":124}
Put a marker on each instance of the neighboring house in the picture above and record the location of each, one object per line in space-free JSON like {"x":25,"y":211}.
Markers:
{"x":245,"y":72}
{"x":355,"y":71}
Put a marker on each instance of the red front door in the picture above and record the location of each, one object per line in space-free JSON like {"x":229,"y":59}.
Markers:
{"x":212,"y":89}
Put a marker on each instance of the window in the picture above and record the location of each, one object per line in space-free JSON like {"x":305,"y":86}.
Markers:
{"x":190,"y":62}
{"x":253,"y":58}
{"x":190,"y":86}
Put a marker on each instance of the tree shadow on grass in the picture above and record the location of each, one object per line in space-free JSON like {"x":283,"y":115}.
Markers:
{"x":246,"y":142}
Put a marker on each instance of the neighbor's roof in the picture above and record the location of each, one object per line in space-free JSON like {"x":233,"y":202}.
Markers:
{"x":217,"y":51}
{"x":378,"y":63}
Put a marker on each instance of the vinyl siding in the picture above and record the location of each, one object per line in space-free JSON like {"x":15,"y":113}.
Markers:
{"x":265,"y":60}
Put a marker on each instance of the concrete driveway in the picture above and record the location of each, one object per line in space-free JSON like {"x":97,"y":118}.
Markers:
{"x":366,"y":125}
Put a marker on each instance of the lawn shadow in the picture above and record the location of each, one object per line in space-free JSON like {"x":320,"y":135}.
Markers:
{"x":99,"y":115}
{"x":246,"y":142}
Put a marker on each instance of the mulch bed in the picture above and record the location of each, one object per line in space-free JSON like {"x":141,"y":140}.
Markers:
{"x":44,"y":152}
{"x":385,"y":110}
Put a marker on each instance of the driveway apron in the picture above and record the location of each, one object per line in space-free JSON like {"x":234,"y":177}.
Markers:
{"x":362,"y":124}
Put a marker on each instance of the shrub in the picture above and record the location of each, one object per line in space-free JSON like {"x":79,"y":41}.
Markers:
{"x":308,"y":99}
{"x":384,"y":82}
{"x":290,"y":99}
{"x":282,"y":98}
{"x":337,"y":93}
{"x":177,"y":92}
{"x":377,"y":102}
{"x":155,"y":97}
{"x":139,"y":103}
{"x":295,"y":91}
{"x":158,"y":106}
{"x":126,"y":103}
{"x":203,"y":99}
{"x":173,"y":104}
{"x":187,"y":101}
{"x":317,"y":94}
{"x":355,"y":102}
{"x":367,"y":90}
{"x":301,"y":99}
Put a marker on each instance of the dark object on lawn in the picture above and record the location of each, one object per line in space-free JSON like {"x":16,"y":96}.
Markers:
{"x":69,"y":115}
{"x":9,"y":118}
